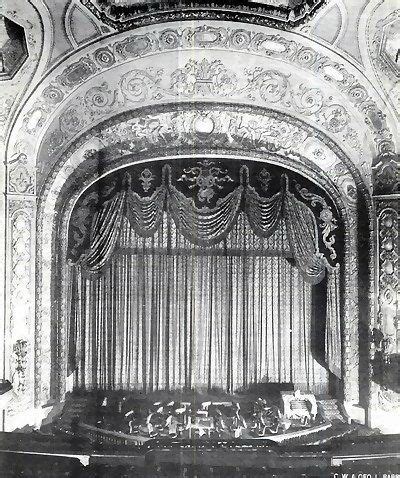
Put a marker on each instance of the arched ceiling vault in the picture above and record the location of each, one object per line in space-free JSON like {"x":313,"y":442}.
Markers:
{"x":211,"y":62}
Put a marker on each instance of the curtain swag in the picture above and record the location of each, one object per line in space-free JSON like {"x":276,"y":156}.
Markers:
{"x":207,"y":226}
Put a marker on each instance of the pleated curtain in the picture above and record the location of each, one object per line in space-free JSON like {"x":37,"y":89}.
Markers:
{"x":222,"y":317}
{"x":171,"y":295}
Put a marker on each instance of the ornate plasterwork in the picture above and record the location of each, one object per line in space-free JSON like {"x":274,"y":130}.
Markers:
{"x":388,"y":263}
{"x":172,"y":133}
{"x":386,"y":347}
{"x":128,"y":15}
{"x":198,"y":80}
{"x":96,"y":60}
{"x":21,"y":298}
{"x":384,"y":55}
{"x":21,"y":175}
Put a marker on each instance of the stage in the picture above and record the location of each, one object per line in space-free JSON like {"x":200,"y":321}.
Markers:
{"x":265,"y":412}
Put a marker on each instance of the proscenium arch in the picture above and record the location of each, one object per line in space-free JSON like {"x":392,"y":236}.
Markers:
{"x":64,"y":217}
{"x":60,"y":223}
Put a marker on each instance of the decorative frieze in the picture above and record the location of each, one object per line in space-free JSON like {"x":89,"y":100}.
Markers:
{"x":209,"y":75}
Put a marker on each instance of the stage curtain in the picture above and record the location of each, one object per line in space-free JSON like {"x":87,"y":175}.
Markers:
{"x":303,"y":239}
{"x":167,"y":315}
{"x":206,"y":225}
{"x":170,"y":294}
{"x":105,"y":232}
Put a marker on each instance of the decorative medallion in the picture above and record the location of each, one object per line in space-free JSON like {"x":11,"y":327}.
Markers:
{"x":207,"y":177}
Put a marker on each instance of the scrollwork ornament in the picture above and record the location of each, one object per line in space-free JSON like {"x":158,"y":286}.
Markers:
{"x":138,"y":85}
{"x":169,"y":39}
{"x":21,"y":176}
{"x":271,"y":85}
{"x":71,"y":120}
{"x":388,"y":267}
{"x":104,"y":57}
{"x":307,"y":101}
{"x":327,"y":222}
{"x":336,"y":118}
{"x":19,"y":379}
{"x":100,"y":99}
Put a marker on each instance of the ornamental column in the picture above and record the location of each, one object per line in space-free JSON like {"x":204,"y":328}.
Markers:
{"x":384,"y":410}
{"x":19,"y":326}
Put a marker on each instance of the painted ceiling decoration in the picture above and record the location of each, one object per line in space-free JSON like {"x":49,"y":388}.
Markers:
{"x":13,"y":49}
{"x":127,"y":14}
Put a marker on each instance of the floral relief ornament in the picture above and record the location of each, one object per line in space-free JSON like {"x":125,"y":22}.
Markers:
{"x":200,"y":78}
{"x":203,"y":78}
{"x":274,"y":46}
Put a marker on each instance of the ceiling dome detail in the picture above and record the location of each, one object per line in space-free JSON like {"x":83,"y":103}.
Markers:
{"x":127,"y":14}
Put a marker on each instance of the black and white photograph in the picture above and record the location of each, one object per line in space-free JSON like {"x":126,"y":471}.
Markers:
{"x":199,"y":216}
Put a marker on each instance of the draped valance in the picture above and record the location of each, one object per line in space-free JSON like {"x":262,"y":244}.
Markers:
{"x":205,"y":225}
